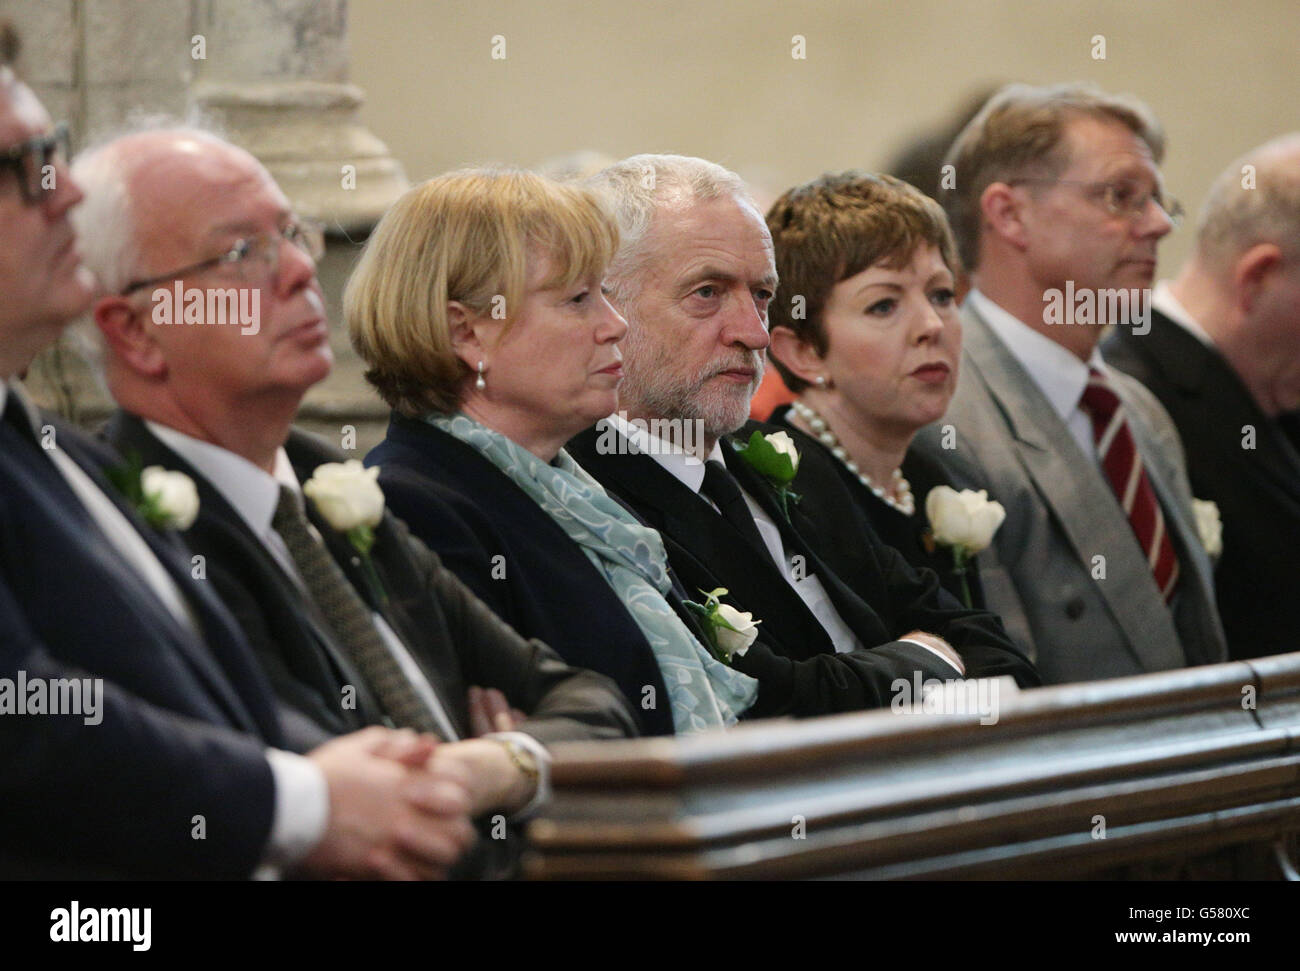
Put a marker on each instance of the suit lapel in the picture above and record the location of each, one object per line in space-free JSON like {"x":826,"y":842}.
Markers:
{"x":705,"y":544}
{"x":1071,"y":485}
{"x":402,"y":598}
{"x":222,"y":644}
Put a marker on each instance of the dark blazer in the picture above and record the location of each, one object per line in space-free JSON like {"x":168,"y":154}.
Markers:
{"x":1257,"y":489}
{"x":514,"y":556}
{"x":876,"y":593}
{"x":186,"y":718}
{"x":820,"y":471}
{"x":456,"y":640}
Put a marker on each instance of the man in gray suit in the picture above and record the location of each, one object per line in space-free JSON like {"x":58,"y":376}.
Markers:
{"x":1098,"y":570}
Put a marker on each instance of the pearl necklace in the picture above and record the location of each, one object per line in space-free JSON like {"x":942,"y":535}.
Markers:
{"x":905,"y":503}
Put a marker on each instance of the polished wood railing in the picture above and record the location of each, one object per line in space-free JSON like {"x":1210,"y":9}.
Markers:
{"x":1156,"y":771}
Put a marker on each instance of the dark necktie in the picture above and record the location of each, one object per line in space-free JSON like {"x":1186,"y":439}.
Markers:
{"x":720,"y":486}
{"x":1119,"y":457}
{"x":350,"y":618}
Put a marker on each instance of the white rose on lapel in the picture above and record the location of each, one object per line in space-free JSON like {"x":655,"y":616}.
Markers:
{"x":1209,"y":526}
{"x":784,"y":445}
{"x":172,"y":495}
{"x":347,"y":494}
{"x":736,"y":630}
{"x":965,"y":520}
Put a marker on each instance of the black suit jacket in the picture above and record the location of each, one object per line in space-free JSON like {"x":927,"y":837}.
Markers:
{"x":1257,"y":489}
{"x":874,"y":590}
{"x":821,"y":473}
{"x":514,"y":556}
{"x":186,"y":715}
{"x":451,"y":634}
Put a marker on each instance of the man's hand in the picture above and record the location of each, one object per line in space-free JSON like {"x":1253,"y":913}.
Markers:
{"x":945,"y":649}
{"x":393,"y":814}
{"x":494,"y":781}
{"x":489,"y":711}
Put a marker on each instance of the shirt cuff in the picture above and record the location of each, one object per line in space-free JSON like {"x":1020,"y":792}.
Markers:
{"x":302,"y":812}
{"x":543,"y":758}
{"x":945,"y":660}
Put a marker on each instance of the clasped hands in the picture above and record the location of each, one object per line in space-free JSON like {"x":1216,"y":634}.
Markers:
{"x":401,"y":804}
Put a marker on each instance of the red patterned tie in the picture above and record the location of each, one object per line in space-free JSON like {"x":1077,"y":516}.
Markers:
{"x":1118,"y":455}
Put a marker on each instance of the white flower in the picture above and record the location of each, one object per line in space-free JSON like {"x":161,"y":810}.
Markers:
{"x":347,"y":494}
{"x":736,"y":630}
{"x":173,"y":494}
{"x":965,"y":519}
{"x":1209,"y":525}
{"x":784,"y":445}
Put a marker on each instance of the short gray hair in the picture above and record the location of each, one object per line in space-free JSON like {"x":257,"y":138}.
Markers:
{"x":638,"y":187}
{"x":1241,"y":212}
{"x":105,"y":221}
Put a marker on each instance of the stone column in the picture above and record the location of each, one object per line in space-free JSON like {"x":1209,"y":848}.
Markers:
{"x":274,"y":76}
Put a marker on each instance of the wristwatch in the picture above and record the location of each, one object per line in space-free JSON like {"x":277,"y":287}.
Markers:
{"x":523,"y":758}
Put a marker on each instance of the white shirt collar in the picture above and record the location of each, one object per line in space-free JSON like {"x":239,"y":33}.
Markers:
{"x":684,"y":466}
{"x":1164,"y":300}
{"x":250,"y":491}
{"x":1060,"y":375}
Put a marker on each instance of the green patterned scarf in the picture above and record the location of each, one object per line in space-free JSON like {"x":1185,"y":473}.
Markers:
{"x":703,"y":692}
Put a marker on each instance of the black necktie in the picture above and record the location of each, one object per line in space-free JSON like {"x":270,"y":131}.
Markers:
{"x":720,"y":486}
{"x":350,"y":618}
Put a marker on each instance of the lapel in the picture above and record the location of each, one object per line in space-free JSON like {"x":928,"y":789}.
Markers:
{"x":216,"y":515}
{"x":796,"y":533}
{"x":1072,"y":487}
{"x":222,"y":644}
{"x":706,"y":545}
{"x":408,"y":607}
{"x":1200,"y":373}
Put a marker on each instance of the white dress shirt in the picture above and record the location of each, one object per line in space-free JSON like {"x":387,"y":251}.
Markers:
{"x":1059,"y":374}
{"x":688,"y":469}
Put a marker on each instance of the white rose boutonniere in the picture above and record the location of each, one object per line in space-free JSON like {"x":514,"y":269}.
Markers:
{"x":730,"y":631}
{"x":776,"y":459}
{"x":348,"y":497}
{"x":965,"y":522}
{"x":1209,"y":526}
{"x":172,"y":494}
{"x":165,"y":500}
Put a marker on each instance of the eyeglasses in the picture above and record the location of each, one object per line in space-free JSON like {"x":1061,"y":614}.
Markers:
{"x":250,"y":255}
{"x":1124,"y":197}
{"x":30,"y":163}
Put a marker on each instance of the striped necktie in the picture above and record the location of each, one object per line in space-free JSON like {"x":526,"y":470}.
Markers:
{"x":1118,"y":454}
{"x":350,"y":618}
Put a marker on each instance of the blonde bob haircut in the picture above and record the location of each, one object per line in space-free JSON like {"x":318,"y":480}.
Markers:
{"x":465,"y":236}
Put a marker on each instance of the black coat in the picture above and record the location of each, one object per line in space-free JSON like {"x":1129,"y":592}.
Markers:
{"x":871,"y":586}
{"x":1257,"y":489}
{"x":513,"y":555}
{"x":456,"y":640}
{"x":186,"y":718}
{"x":821,"y":472}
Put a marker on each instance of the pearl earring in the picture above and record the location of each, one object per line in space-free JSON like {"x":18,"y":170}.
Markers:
{"x":480,"y":383}
{"x":821,"y":380}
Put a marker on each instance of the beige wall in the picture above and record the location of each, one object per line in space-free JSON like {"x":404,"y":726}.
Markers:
{"x":716,"y":78}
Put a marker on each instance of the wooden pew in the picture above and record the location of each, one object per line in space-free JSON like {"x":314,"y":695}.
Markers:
{"x":1101,"y":778}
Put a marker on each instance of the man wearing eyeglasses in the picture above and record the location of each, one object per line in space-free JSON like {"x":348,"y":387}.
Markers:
{"x":1058,"y":206}
{"x":350,"y":633}
{"x":172,"y":760}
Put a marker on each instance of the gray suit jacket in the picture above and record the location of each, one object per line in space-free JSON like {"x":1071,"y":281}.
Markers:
{"x":1062,"y":516}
